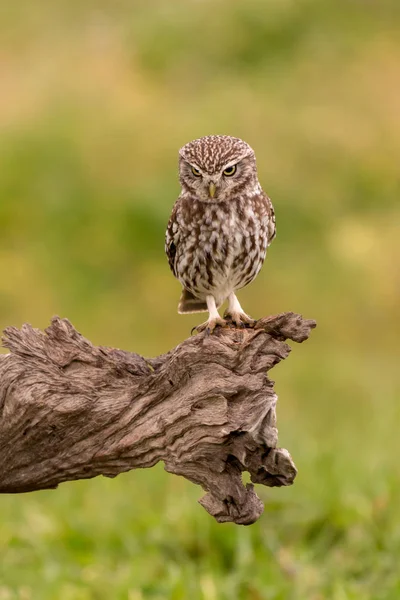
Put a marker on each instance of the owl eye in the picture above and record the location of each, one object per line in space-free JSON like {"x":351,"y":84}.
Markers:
{"x":196,"y":172}
{"x":230,"y":171}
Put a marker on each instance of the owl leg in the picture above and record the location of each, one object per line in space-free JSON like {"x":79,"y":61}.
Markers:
{"x":213,"y":320}
{"x":236,"y":313}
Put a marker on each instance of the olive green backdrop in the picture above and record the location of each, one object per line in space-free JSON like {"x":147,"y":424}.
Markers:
{"x":96,"y":98}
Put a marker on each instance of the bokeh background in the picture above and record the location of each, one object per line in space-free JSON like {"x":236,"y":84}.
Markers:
{"x":96,"y":98}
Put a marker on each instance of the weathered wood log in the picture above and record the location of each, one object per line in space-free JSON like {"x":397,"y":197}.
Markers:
{"x":70,"y":410}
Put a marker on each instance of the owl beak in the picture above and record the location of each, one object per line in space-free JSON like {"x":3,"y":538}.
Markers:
{"x":212,"y":189}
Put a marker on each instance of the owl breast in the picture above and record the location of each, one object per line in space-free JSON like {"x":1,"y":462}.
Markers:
{"x":221,"y":246}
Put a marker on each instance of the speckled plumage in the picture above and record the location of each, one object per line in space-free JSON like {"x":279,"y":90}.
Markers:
{"x":220,"y":226}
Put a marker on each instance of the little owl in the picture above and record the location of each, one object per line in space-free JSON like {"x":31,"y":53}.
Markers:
{"x":219,"y":229}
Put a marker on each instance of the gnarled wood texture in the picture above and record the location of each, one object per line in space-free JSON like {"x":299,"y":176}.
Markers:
{"x":70,"y":410}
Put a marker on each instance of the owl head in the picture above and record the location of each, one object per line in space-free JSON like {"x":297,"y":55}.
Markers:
{"x":215,"y":167}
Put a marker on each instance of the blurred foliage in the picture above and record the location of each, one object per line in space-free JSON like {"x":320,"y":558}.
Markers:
{"x":96,"y":98}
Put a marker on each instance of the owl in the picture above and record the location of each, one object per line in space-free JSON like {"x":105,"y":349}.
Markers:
{"x":219,"y":229}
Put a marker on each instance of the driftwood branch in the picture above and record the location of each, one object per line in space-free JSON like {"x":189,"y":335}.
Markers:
{"x":70,"y":410}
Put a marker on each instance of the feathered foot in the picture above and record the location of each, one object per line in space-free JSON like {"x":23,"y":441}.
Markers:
{"x":214,"y":319}
{"x":239,"y":319}
{"x":235,"y":314}
{"x":210,"y":325}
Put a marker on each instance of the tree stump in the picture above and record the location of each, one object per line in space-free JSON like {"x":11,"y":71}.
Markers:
{"x":70,"y":410}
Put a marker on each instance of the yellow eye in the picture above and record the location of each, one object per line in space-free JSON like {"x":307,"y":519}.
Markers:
{"x":196,"y":172}
{"x":230,"y":171}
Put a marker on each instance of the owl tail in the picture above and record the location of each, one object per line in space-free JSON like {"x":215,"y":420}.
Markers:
{"x":190,"y":304}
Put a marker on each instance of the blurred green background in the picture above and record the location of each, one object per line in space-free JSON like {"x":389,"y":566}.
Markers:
{"x":96,"y":98}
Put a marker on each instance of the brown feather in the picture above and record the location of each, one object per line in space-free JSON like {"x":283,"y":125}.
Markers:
{"x":190,"y":304}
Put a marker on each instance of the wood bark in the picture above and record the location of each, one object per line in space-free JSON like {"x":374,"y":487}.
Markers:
{"x":70,"y":410}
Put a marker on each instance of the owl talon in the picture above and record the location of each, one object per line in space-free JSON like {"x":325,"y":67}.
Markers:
{"x":209,"y":326}
{"x":240,"y":319}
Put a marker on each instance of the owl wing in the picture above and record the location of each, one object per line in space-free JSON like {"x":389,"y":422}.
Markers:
{"x":271,"y":226}
{"x":172,"y":238}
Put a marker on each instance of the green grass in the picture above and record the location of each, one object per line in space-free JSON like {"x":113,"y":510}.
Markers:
{"x":96,"y":100}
